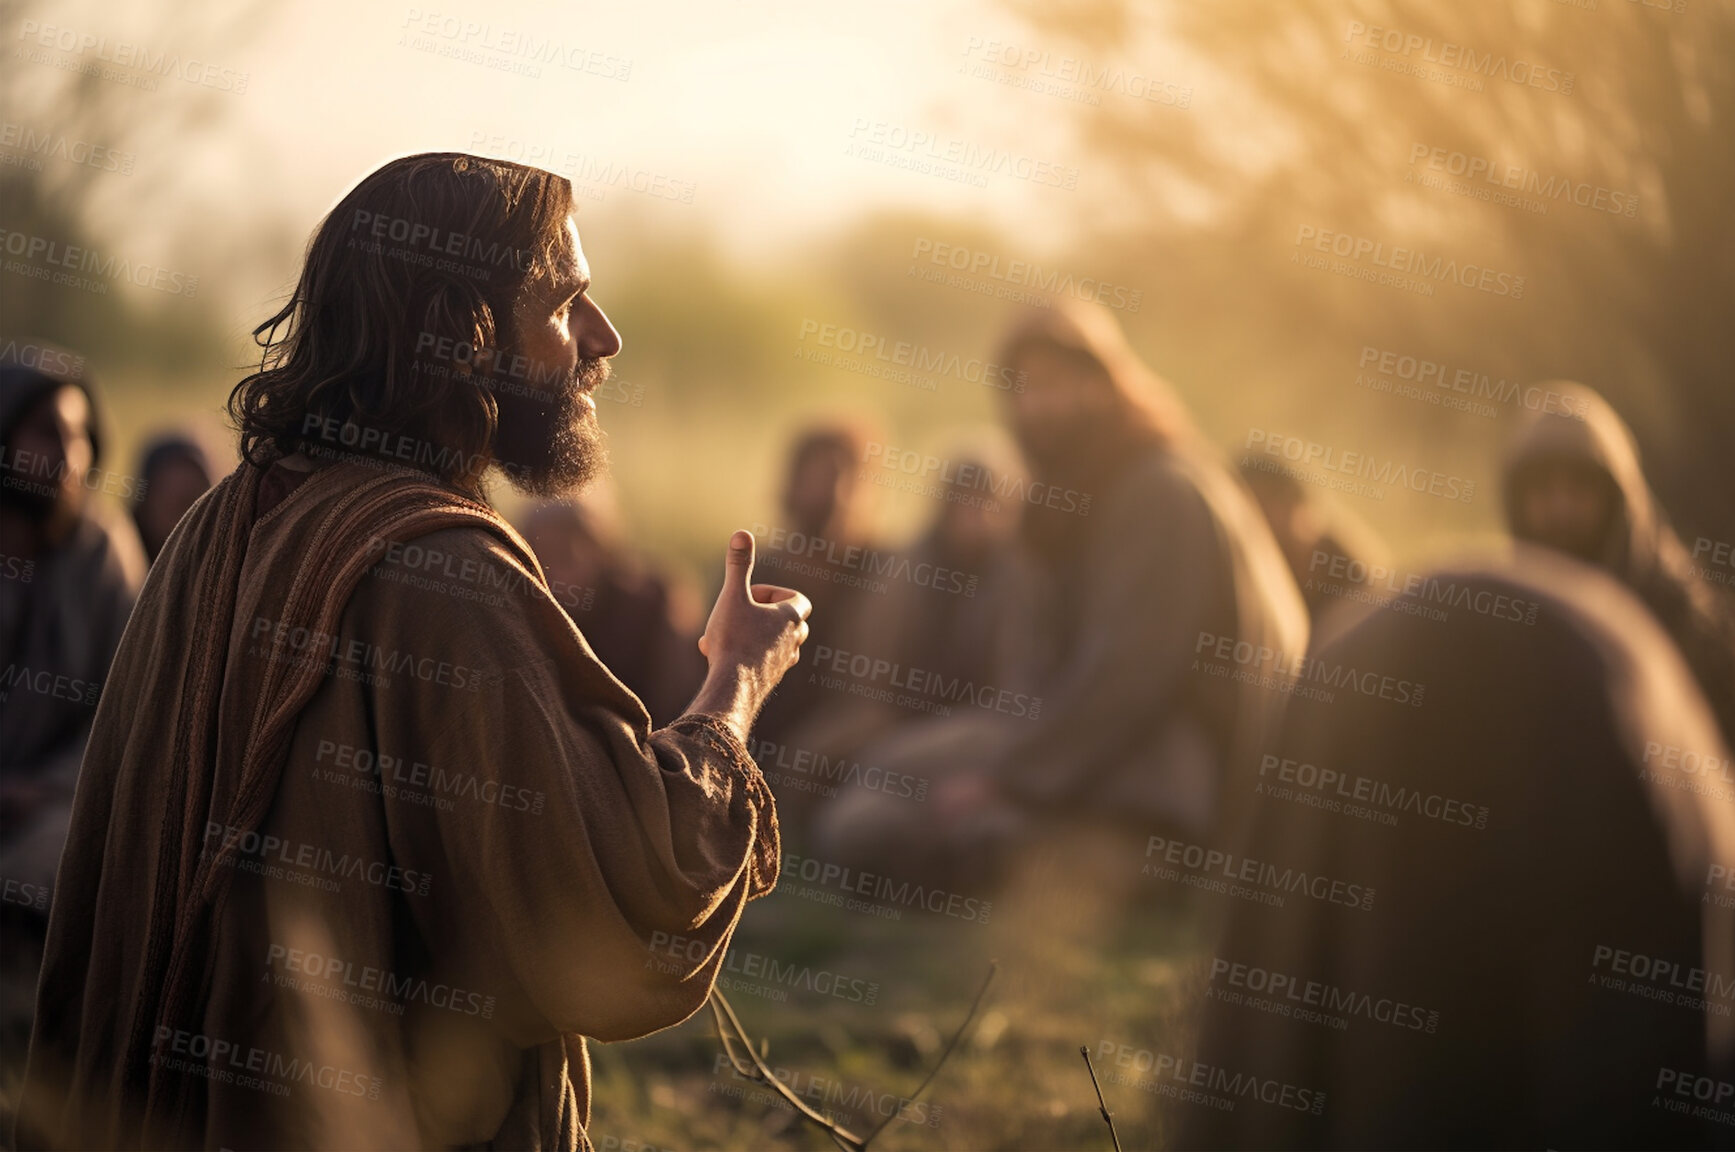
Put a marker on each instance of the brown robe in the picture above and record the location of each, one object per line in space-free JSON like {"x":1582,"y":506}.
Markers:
{"x":1541,"y":830}
{"x":634,"y":627}
{"x":1142,"y":546}
{"x":640,"y":622}
{"x":1124,"y":731}
{"x":1129,"y":728}
{"x":360,"y":856}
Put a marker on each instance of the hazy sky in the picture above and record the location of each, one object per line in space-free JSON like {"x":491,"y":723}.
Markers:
{"x":766,"y":122}
{"x":738,"y":113}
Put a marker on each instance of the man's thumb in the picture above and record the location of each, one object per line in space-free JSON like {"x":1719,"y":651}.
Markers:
{"x":738,"y":569}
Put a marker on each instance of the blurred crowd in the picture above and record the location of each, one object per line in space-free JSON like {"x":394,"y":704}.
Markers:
{"x":72,"y":567}
{"x":1110,"y":627}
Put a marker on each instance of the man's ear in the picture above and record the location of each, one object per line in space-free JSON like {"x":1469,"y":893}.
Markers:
{"x":492,"y":328}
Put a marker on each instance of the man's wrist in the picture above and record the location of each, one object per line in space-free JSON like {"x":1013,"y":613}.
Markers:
{"x":728,"y":694}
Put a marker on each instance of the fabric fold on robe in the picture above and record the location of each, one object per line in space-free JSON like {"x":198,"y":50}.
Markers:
{"x":365,"y":844}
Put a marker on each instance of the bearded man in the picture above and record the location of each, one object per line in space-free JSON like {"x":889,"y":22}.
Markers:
{"x":1574,"y":483}
{"x":367,"y":840}
{"x":1145,"y":550}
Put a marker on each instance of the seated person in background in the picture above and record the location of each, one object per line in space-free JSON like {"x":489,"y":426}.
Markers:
{"x":174,"y":471}
{"x":1537,"y":823}
{"x":1144,"y":547}
{"x":643,"y":626}
{"x":1331,"y":553}
{"x":1573,"y":482}
{"x":69,"y":571}
{"x":946,"y":606}
{"x":826,"y":505}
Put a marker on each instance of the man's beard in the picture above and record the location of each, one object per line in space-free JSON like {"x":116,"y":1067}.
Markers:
{"x":1060,"y":450}
{"x":549,"y":445}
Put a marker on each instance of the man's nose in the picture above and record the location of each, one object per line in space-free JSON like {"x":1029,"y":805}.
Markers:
{"x":597,"y":338}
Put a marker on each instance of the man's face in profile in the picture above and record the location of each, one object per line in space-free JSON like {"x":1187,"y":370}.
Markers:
{"x":548,"y":441}
{"x":1566,"y":505}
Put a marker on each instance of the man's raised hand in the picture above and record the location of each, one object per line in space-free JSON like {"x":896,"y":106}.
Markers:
{"x":753,"y":637}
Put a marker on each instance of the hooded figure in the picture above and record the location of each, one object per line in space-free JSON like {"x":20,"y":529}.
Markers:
{"x":69,"y":572}
{"x":176,"y":471}
{"x":1144,"y":547}
{"x":1332,"y":553}
{"x":68,"y":579}
{"x":1573,"y":482}
{"x":1516,"y":928}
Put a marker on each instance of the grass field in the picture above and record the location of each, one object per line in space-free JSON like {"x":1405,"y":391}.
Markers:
{"x":1079,"y":965}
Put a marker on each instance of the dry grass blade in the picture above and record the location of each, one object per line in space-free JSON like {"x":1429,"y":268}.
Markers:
{"x":728,"y":1022}
{"x":1101,"y":1104}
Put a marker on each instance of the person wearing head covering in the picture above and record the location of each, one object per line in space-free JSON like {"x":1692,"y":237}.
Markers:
{"x":175,"y":471}
{"x":1573,"y":482}
{"x":69,"y":572}
{"x":1143,"y":543}
{"x":947,"y":606}
{"x":70,"y":575}
{"x":1331,"y":553}
{"x":1512,"y":927}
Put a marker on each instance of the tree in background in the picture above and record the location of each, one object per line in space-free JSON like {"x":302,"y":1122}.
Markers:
{"x":1303,"y":116}
{"x":81,"y":155}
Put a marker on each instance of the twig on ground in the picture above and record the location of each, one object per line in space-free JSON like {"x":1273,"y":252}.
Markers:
{"x":728,"y":1022}
{"x":1101,"y":1104}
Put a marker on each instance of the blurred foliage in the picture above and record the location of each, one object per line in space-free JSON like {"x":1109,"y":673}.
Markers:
{"x":70,"y":203}
{"x":714,"y":353}
{"x":1286,"y":130}
{"x":156,"y":359}
{"x":1197,"y":208}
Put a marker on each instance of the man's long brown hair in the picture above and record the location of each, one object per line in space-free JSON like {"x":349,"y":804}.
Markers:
{"x":411,"y":277}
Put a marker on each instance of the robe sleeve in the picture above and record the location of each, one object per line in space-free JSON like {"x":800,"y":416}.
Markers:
{"x":589,"y":866}
{"x":1155,"y":578}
